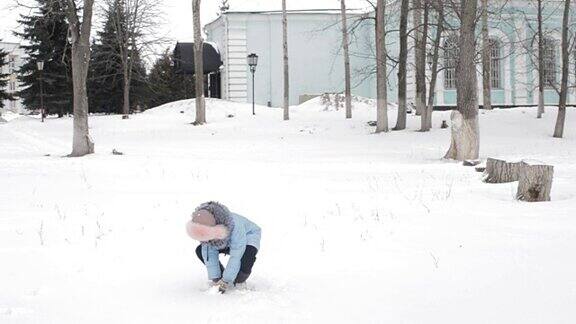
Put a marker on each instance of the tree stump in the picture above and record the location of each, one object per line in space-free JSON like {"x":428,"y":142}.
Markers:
{"x":500,"y":171}
{"x":535,"y":181}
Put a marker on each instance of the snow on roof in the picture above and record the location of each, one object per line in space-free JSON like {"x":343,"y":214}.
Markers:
{"x":214,"y":45}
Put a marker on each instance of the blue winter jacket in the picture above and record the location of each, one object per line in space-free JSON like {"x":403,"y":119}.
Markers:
{"x":244,"y":233}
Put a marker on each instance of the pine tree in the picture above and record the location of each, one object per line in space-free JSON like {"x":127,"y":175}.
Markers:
{"x":166,"y":86}
{"x":106,"y":74}
{"x":4,"y":95}
{"x":45,"y":35}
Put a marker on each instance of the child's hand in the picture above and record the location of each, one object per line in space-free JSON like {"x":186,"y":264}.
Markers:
{"x":222,"y":286}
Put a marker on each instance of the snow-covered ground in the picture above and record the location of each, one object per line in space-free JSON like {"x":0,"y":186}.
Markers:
{"x":357,"y":227}
{"x":7,"y":115}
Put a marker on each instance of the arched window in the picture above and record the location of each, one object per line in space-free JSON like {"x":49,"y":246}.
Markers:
{"x":549,"y":62}
{"x":450,"y":61}
{"x":495,"y":63}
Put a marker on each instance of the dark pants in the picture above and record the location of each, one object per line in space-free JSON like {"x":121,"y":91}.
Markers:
{"x":246,"y":263}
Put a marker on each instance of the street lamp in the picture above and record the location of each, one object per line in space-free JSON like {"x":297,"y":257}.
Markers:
{"x":430,"y":60}
{"x":252,"y":62}
{"x":41,"y":69}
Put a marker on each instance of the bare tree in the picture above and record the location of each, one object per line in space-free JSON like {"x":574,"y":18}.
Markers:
{"x":198,"y":64}
{"x":286,"y":103}
{"x":421,"y":70}
{"x":134,"y":24}
{"x":540,"y":61}
{"x":381,"y":75}
{"x":486,"y":51}
{"x":79,"y":32}
{"x":439,"y":7}
{"x":345,"y":47}
{"x":402,"y":66}
{"x":560,"y":121}
{"x":419,"y":56}
{"x":465,"y":142}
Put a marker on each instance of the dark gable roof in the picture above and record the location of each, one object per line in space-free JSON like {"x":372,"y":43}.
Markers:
{"x":184,"y":58}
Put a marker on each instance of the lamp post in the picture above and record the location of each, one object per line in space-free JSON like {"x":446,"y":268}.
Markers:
{"x":252,"y":62}
{"x":429,"y":60}
{"x":41,"y":69}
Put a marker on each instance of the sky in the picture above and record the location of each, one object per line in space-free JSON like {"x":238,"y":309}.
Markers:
{"x":178,"y":13}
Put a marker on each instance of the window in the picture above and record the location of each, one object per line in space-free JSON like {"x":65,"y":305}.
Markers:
{"x":450,"y":62}
{"x":549,"y":62}
{"x":11,"y":63}
{"x":495,"y":66}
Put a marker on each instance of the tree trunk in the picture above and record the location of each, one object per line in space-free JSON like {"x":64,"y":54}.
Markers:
{"x":345,"y":45}
{"x":560,"y":120}
{"x":82,"y":143}
{"x":421,"y":77}
{"x":540,"y":62}
{"x":286,"y":103}
{"x":486,"y":56}
{"x":402,"y":63}
{"x":464,"y":138}
{"x":500,"y":171}
{"x":80,"y":41}
{"x":198,"y":64}
{"x":535,"y":182}
{"x":465,"y":143}
{"x":419,"y":52}
{"x":381,"y":78}
{"x":126,"y":90}
{"x":435,"y":58}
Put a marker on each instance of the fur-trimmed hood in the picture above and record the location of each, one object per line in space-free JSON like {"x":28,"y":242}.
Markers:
{"x":223,"y":219}
{"x":204,"y":233}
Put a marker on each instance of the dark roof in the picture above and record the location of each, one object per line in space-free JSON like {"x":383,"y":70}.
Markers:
{"x":184,"y":58}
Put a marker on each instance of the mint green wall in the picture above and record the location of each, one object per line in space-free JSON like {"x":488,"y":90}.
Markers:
{"x":449,"y":97}
{"x":551,"y":97}
{"x":498,"y":97}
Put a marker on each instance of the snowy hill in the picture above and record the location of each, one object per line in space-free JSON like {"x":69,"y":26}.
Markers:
{"x":357,"y":227}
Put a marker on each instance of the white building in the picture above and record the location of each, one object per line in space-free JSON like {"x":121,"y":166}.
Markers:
{"x":314,"y":45}
{"x":13,"y":62}
{"x":316,"y":63}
